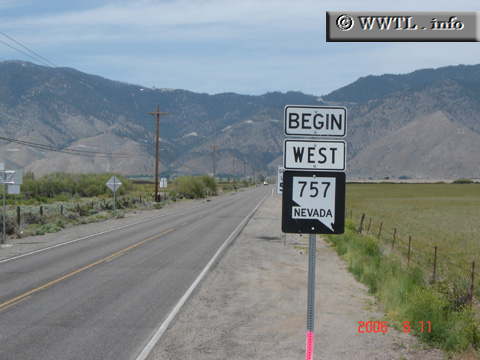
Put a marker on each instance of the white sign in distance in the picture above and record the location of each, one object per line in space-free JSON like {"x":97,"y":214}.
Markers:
{"x":280,"y":171}
{"x":315,"y":120}
{"x":163,"y":182}
{"x":314,"y":155}
{"x":313,"y":202}
{"x":113,"y":184}
{"x":14,"y":189}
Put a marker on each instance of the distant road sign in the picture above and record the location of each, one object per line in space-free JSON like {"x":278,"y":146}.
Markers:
{"x":14,"y":189}
{"x":114,"y":183}
{"x":313,"y":202}
{"x":315,"y":120}
{"x":314,"y":155}
{"x":163,"y":182}
{"x":280,"y":171}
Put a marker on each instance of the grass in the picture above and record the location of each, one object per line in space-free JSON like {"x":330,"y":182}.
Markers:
{"x":408,"y":298}
{"x":442,"y":215}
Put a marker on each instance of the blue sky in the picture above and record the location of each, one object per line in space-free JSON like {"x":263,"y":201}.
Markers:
{"x":214,"y":46}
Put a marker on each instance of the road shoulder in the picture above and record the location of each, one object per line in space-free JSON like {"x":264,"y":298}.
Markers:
{"x":253,"y":305}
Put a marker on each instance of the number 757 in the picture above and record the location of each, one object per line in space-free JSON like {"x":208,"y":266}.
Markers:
{"x":315,"y":187}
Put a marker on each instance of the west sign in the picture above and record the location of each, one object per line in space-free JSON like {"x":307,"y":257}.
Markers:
{"x":314,"y":155}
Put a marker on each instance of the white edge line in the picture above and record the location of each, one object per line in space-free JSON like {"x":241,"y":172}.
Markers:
{"x":96,"y":234}
{"x":158,"y":334}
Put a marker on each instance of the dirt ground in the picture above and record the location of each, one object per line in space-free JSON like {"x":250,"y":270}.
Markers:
{"x":253,"y":305}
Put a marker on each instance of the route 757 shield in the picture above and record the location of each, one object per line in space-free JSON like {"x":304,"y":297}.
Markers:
{"x":313,"y":202}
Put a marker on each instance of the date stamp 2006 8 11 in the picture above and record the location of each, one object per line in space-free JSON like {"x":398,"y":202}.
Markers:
{"x":382,"y":327}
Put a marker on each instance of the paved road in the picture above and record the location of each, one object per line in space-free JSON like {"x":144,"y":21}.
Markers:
{"x":104,"y":297}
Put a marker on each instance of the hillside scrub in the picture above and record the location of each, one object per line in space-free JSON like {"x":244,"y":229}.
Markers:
{"x":192,"y":187}
{"x":66,"y":186}
{"x":408,"y":295}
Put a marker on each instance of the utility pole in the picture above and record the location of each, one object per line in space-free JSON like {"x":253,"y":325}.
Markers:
{"x":158,"y":113}
{"x":245,"y":171}
{"x":214,"y":147}
{"x":233,"y":156}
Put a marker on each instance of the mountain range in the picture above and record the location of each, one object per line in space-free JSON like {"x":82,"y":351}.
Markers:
{"x":422,"y":125}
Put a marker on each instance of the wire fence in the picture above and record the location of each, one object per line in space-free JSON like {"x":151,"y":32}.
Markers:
{"x":461,"y":279}
{"x":55,"y":216}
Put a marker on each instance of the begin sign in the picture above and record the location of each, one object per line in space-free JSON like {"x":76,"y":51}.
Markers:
{"x":315,"y":120}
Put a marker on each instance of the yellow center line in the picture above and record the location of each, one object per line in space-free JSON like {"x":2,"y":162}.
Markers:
{"x":15,"y":303}
{"x":113,"y":258}
{"x":22,"y":297}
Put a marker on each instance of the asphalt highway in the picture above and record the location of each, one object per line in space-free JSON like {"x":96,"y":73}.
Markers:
{"x":105,"y":296}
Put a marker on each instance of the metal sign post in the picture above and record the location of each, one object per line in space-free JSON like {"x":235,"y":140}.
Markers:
{"x":113,"y":185}
{"x":313,"y":200}
{"x":312,"y":255}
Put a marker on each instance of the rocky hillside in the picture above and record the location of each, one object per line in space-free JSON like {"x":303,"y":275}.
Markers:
{"x":425,"y":124}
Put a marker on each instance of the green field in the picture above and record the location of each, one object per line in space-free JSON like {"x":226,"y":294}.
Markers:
{"x":446,"y":216}
{"x":442,"y":215}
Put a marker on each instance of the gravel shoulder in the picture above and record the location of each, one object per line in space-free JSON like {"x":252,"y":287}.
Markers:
{"x":252,"y":305}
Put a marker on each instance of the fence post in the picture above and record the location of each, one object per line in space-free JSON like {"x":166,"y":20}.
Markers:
{"x":41,"y":210}
{"x":409,"y":243}
{"x":18,"y":215}
{"x":361,"y":223}
{"x":380,"y":231}
{"x":473,"y":281}
{"x":434,"y":264}
{"x":369,"y":223}
{"x":393,"y":240}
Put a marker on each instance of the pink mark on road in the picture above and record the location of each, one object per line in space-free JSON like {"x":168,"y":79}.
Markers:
{"x":309,"y":345}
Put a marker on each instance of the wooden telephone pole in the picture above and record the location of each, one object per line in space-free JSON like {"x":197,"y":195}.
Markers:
{"x":233,"y":156}
{"x":158,"y":113}
{"x":214,"y":147}
{"x":245,"y":171}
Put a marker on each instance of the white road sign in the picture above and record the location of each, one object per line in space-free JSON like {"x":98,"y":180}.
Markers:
{"x":14,"y":189}
{"x":313,"y":202}
{"x":315,"y":120}
{"x":280,"y":171}
{"x":314,"y":155}
{"x":113,"y":183}
{"x":315,"y":198}
{"x":163,"y":182}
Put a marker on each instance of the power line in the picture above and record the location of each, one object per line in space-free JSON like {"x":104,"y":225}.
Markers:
{"x":24,"y":53}
{"x":33,"y":52}
{"x":69,"y":151}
